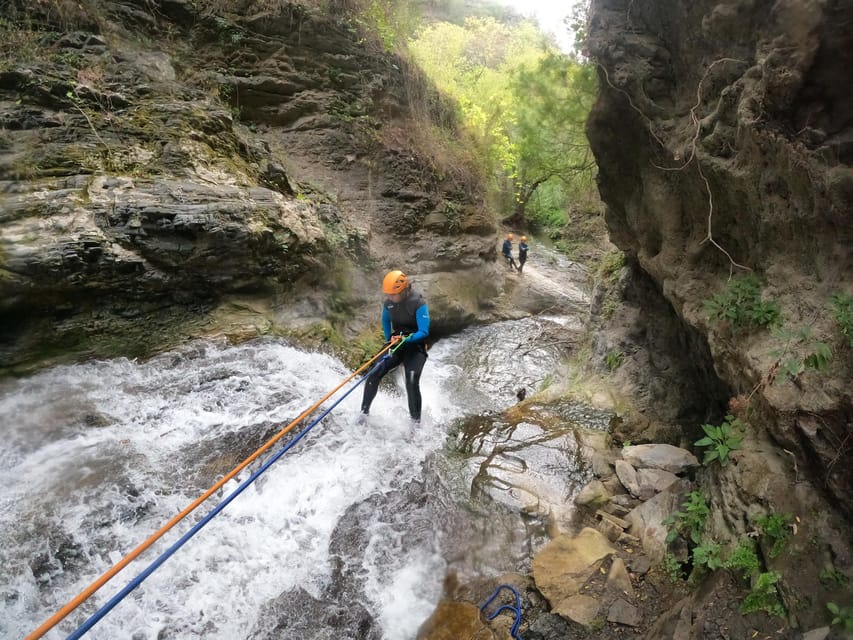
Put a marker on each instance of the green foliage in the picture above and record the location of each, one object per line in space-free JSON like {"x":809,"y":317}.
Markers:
{"x":814,"y":354}
{"x":776,"y":527}
{"x":740,"y":304}
{"x":843,"y":313}
{"x":841,"y":615}
{"x":764,"y":596}
{"x":691,"y":521}
{"x":833,"y":577}
{"x":526,"y":106}
{"x":721,"y":440}
{"x":391,"y":20}
{"x":819,"y":358}
{"x":673,"y":567}
{"x":578,"y":23}
{"x":610,"y":265}
{"x":744,"y":558}
{"x":614,"y":359}
{"x":553,"y":99}
{"x":708,"y":554}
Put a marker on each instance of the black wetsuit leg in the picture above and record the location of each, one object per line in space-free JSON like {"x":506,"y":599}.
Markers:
{"x":413,"y":362}
{"x":371,"y":385}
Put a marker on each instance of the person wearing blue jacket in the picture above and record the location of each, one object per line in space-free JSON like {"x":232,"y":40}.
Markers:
{"x":405,"y":318}
{"x":522,"y":253}
{"x":506,"y":249}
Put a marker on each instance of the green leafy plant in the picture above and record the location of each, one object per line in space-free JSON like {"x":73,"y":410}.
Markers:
{"x":691,"y":521}
{"x":708,"y":554}
{"x":721,"y":440}
{"x":740,"y":304}
{"x":764,"y":596}
{"x":842,"y":615}
{"x":843,"y":313}
{"x":833,"y":577}
{"x":614,"y":360}
{"x":744,"y":558}
{"x":817,"y":354}
{"x":673,"y":567}
{"x":776,"y":527}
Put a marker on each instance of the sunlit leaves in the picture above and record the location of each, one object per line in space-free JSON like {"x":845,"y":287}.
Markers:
{"x":525,"y":104}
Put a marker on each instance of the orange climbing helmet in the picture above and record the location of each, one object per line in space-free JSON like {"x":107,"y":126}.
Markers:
{"x":524,"y":238}
{"x":509,"y":236}
{"x":395,"y":282}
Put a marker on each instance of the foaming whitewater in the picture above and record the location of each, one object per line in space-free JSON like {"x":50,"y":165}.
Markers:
{"x":98,"y":456}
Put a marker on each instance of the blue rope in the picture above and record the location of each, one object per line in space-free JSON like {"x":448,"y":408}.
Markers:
{"x":515,"y":609}
{"x":151,"y":568}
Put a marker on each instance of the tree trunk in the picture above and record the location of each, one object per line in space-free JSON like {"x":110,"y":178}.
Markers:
{"x":518,"y":218}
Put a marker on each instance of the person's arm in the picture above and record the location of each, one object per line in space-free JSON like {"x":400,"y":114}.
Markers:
{"x":386,"y":323}
{"x":422,"y":317}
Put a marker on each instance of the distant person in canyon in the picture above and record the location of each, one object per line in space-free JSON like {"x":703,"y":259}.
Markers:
{"x":522,"y":253}
{"x":507,"y":251}
{"x":405,"y":323}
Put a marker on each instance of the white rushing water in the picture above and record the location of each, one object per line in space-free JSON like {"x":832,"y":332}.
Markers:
{"x":98,"y":456}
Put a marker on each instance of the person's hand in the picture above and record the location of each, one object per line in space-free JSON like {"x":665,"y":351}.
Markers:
{"x":393,"y":341}
{"x":396,"y":340}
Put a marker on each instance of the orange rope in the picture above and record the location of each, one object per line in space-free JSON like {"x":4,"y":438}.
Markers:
{"x":121,"y":564}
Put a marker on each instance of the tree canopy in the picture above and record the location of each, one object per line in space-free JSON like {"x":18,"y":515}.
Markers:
{"x":526,"y":104}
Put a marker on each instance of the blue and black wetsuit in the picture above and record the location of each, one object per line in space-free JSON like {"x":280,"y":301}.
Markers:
{"x":507,"y":251}
{"x":408,"y":317}
{"x":522,"y":255}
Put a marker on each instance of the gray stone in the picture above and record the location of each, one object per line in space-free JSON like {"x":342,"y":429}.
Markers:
{"x":628,"y":477}
{"x":581,"y":609}
{"x":647,"y":520}
{"x":566,"y":562}
{"x":610,"y":530}
{"x":654,"y":481}
{"x":659,"y":456}
{"x":594,"y":494}
{"x":618,"y":578}
{"x":821,"y":633}
{"x":622,"y":612}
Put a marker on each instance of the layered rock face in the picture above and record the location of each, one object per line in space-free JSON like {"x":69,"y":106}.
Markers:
{"x":724,"y":137}
{"x":160,"y":158}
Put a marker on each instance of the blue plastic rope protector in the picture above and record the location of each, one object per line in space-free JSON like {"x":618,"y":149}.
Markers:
{"x":151,"y":568}
{"x":506,"y":607}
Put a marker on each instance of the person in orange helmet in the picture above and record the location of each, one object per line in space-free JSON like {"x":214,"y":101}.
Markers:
{"x":522,"y":252}
{"x":405,"y":317}
{"x":507,"y":251}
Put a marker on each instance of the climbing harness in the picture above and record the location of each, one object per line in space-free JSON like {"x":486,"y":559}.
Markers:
{"x":91,"y":589}
{"x":515,"y":609}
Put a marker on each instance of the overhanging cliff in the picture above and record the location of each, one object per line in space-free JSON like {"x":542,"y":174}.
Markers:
{"x":724,"y":138}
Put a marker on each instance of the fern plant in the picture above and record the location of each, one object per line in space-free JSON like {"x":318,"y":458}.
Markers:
{"x":776,"y":527}
{"x":691,"y":521}
{"x":764,"y":596}
{"x":744,"y":558}
{"x":817,"y":354}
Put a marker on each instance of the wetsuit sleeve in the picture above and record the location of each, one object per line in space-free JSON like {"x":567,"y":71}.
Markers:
{"x":422,"y":317}
{"x":386,"y":323}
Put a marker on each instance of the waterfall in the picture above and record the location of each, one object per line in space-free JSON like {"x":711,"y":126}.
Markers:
{"x":362,"y":518}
